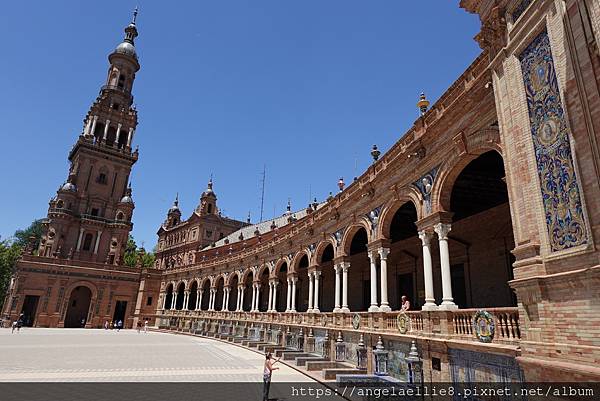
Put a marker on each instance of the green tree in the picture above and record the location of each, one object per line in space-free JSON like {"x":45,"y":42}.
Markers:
{"x":133,"y":254}
{"x":35,"y":230}
{"x":10,"y":252}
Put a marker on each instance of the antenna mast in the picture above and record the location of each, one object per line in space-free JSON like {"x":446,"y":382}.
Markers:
{"x":262,"y":197}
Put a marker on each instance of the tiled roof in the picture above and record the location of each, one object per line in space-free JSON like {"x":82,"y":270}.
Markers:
{"x":263,"y":227}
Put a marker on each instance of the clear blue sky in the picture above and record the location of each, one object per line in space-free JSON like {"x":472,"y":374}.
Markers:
{"x":305,"y":87}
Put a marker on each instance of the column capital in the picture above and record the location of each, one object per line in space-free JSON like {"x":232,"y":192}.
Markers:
{"x":442,"y":230}
{"x":317,"y":273}
{"x":345,"y":267}
{"x":425,"y":237}
{"x":372,"y":255}
{"x":383,"y":253}
{"x":428,"y":222}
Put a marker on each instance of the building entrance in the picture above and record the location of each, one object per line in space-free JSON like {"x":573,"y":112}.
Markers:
{"x":78,"y":307}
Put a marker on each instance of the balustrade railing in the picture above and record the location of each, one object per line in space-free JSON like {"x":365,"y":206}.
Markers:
{"x":414,"y":323}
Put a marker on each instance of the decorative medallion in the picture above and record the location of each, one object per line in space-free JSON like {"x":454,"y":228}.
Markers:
{"x":356,"y":321}
{"x":550,"y":133}
{"x":339,"y":235}
{"x":484,"y":326}
{"x":403,"y":322}
{"x":373,"y":217}
{"x":425,"y":185}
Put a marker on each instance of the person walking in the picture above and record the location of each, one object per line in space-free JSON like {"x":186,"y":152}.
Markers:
{"x":146,"y":326}
{"x":20,"y":322}
{"x":119,"y":325}
{"x":267,"y":372}
{"x":138,"y":326}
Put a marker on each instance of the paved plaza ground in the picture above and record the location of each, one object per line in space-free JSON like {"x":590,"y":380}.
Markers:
{"x":67,"y":355}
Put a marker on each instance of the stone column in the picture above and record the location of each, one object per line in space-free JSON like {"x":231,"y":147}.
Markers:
{"x":225,"y":305}
{"x":345,"y":267}
{"x":118,"y":134}
{"x":442,"y":231}
{"x":106,"y":130}
{"x":94,"y":125}
{"x":256,"y":297}
{"x":427,"y":271}
{"x":186,"y":297}
{"x":317,"y":275}
{"x":211,"y":300}
{"x":242,"y":292}
{"x":97,"y":241}
{"x":275,"y":288}
{"x":270,"y":297}
{"x":383,"y":254}
{"x":293,"y":307}
{"x":130,"y":137}
{"x":288,"y":303}
{"x":310,"y":292}
{"x":88,"y":125}
{"x":199,"y":299}
{"x":79,"y":238}
{"x":165,"y":301}
{"x":373,"y":259}
{"x":338,"y":273}
{"x":173,"y":300}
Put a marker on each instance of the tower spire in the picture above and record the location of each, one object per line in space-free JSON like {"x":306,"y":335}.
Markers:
{"x":135,"y":13}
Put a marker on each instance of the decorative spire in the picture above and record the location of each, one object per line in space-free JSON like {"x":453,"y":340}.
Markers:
{"x":135,"y":13}
{"x":131,"y":31}
{"x":423,"y":103}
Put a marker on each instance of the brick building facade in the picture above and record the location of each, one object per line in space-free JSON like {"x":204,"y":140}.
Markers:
{"x":485,"y":215}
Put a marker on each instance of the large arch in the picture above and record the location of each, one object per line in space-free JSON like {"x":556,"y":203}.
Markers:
{"x":404,"y":261}
{"x":169,"y":296}
{"x":205,"y":288}
{"x":263,"y":280}
{"x":324,"y":259}
{"x":193,"y":295}
{"x":481,"y":235}
{"x":220,"y":292}
{"x":355,"y":247}
{"x":247,"y":281}
{"x":233,"y":291}
{"x":301,"y":271}
{"x":180,"y":295}
{"x":281,"y":272}
{"x":78,"y":306}
{"x":351,"y":231}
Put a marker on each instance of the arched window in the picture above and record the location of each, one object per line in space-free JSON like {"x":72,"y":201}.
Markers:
{"x":209,"y":209}
{"x":120,"y":216}
{"x":87,"y":242}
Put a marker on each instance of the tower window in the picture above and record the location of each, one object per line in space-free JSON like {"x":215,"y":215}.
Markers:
{"x":209,"y":209}
{"x":95,"y":211}
{"x":120,"y":216}
{"x":87,"y":242}
{"x":102,"y":179}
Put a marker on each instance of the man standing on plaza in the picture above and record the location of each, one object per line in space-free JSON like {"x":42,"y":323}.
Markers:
{"x":146,"y":326}
{"x":267,"y":372}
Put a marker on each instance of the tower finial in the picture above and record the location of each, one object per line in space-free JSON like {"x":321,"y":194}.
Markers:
{"x":135,"y":13}
{"x":176,"y":199}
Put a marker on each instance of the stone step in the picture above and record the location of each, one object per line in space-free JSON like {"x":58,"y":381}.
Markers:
{"x":320,"y":365}
{"x":274,"y":348}
{"x":301,"y":360}
{"x":330,"y":374}
{"x":292,"y":355}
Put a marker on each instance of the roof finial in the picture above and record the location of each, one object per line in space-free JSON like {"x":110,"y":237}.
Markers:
{"x":176,"y":203}
{"x":135,"y":13}
{"x":210,"y":181}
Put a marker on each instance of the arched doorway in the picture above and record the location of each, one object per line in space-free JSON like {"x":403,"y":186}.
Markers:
{"x":169,"y":297}
{"x":481,"y":237}
{"x":193,"y":296}
{"x":220,"y":293}
{"x":327,"y":280}
{"x":404,"y":262}
{"x":247,"y":302}
{"x":180,"y":296}
{"x":302,"y":284}
{"x":78,"y":307}
{"x":205,"y":295}
{"x":263,"y":304}
{"x":282,"y":288}
{"x":359,"y":277}
{"x":233,"y":293}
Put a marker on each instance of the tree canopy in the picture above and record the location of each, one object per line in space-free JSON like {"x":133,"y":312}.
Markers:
{"x":133,"y":254}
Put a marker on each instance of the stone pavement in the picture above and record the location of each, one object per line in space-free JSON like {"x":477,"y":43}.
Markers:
{"x":65,"y":355}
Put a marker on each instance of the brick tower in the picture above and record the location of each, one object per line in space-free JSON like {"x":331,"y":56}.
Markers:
{"x":89,"y":219}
